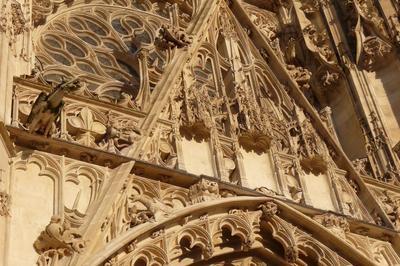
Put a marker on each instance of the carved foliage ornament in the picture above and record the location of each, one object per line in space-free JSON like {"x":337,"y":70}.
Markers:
{"x":5,"y":200}
{"x":12,"y":19}
{"x":143,"y":201}
{"x":301,"y":75}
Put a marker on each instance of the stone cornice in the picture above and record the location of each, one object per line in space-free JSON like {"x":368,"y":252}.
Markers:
{"x":376,"y":183}
{"x":79,"y":98}
{"x":177,"y":177}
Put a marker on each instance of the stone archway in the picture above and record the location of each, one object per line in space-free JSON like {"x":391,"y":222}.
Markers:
{"x":229,"y":229}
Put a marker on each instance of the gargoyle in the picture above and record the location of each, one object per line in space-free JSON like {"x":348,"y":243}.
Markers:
{"x":173,"y":37}
{"x":47,"y":108}
{"x":155,"y":210}
{"x":58,"y":235}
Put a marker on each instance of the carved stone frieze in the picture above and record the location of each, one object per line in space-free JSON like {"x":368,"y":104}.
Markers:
{"x":205,"y":101}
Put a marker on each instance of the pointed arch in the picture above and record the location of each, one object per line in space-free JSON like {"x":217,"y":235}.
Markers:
{"x":320,"y":247}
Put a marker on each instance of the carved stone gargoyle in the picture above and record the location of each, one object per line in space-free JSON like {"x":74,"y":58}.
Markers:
{"x":172,"y":37}
{"x":59,"y":237}
{"x":47,"y":108}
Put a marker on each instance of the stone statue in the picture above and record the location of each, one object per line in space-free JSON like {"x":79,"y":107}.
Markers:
{"x":173,"y":37}
{"x":58,"y":235}
{"x":47,"y":108}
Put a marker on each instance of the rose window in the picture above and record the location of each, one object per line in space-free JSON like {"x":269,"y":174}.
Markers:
{"x":102,"y":46}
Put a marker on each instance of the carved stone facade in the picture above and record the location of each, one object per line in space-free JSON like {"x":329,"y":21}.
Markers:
{"x":198,"y":132}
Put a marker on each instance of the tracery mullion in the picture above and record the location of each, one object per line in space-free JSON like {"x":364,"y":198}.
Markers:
{"x":92,"y":61}
{"x":222,"y":90}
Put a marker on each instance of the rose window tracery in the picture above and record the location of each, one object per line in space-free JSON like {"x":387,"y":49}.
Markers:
{"x":111,"y":50}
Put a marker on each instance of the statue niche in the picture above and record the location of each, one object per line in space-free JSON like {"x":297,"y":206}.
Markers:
{"x":47,"y":108}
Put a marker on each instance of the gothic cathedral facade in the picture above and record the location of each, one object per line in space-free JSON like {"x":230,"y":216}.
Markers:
{"x":199,"y":132}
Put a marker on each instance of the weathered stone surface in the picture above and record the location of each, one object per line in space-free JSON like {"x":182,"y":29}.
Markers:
{"x":199,"y":131}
